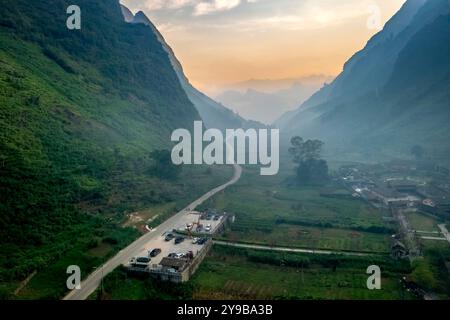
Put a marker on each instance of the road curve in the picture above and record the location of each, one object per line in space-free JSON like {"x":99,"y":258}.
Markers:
{"x":91,"y":283}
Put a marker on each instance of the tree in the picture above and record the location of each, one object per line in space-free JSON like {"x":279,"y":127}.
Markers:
{"x":163,"y":167}
{"x":311,"y":169}
{"x":418,"y":152}
{"x":305,"y":150}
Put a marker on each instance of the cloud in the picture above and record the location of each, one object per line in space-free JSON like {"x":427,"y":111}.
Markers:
{"x":308,"y":16}
{"x":169,"y":4}
{"x":204,"y":8}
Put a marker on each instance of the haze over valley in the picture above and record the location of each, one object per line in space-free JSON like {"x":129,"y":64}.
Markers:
{"x":116,"y":118}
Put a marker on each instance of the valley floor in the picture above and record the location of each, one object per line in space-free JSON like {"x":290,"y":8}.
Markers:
{"x":294,"y":220}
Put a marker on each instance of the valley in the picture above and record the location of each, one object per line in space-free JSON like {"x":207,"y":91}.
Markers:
{"x":311,"y":242}
{"x":112,"y":161}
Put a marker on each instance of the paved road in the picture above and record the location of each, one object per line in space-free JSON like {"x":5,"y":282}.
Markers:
{"x":91,"y":283}
{"x":444,"y":231}
{"x":409,"y":235}
{"x":433,"y":238}
{"x":297,"y":250}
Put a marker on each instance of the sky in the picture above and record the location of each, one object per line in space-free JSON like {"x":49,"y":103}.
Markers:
{"x":221,"y":42}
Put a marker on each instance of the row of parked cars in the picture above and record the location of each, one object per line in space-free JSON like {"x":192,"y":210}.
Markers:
{"x":171,"y":236}
{"x":200,"y":228}
{"x":180,"y":239}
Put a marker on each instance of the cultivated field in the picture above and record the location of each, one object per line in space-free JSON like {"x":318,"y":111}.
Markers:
{"x":270,"y":211}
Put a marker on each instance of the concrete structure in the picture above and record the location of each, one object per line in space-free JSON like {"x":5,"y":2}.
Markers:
{"x":165,"y":266}
{"x":178,"y":270}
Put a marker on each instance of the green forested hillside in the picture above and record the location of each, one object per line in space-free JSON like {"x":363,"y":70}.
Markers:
{"x":80,"y":113}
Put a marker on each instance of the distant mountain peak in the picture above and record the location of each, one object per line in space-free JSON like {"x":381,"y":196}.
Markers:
{"x":140,"y":17}
{"x":214,"y":114}
{"x":127,"y":14}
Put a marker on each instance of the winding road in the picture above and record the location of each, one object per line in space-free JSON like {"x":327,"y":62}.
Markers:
{"x":91,"y":283}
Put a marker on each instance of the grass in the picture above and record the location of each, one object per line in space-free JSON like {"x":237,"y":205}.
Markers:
{"x":50,"y":282}
{"x":231,"y":273}
{"x":430,"y":271}
{"x":317,"y":238}
{"x":422,"y":222}
{"x":270,"y":211}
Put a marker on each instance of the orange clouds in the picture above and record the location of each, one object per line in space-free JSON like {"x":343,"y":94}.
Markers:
{"x":267,"y":39}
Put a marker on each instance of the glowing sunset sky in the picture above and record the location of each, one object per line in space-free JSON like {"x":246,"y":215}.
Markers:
{"x":227,"y":41}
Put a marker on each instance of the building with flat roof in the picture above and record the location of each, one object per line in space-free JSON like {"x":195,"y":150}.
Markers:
{"x":177,"y":264}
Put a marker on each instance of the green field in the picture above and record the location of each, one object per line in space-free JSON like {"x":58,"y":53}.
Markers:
{"x":242,"y":274}
{"x":422,"y":222}
{"x":270,"y":211}
{"x":309,"y":237}
{"x":230,"y":273}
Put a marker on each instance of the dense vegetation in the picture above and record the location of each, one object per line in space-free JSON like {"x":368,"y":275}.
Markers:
{"x":306,"y":154}
{"x":121,"y":286}
{"x":80,"y":114}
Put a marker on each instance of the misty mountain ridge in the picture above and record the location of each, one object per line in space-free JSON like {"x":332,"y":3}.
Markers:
{"x":390,"y":95}
{"x":213,"y":114}
{"x":274,"y":85}
{"x":266,"y":106}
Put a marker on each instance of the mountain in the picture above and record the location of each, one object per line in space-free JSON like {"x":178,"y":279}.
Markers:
{"x":80,"y":113}
{"x":127,"y":14}
{"x":266,"y":107}
{"x":392,"y":94}
{"x":213,"y":114}
{"x":273,"y":85}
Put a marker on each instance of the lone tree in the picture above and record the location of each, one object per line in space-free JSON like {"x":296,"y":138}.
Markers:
{"x":311,"y":169}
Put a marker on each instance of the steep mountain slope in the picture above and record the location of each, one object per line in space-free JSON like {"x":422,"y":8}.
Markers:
{"x":80,"y":112}
{"x":391,"y":95}
{"x":213,"y":114}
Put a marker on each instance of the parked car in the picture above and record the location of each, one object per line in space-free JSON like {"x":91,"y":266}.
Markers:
{"x":195,"y":240}
{"x":202,"y":241}
{"x":179,"y":240}
{"x":180,"y":255}
{"x":155,"y":252}
{"x":216,"y":218}
{"x":208,"y":228}
{"x":143,"y":260}
{"x":169,"y":237}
